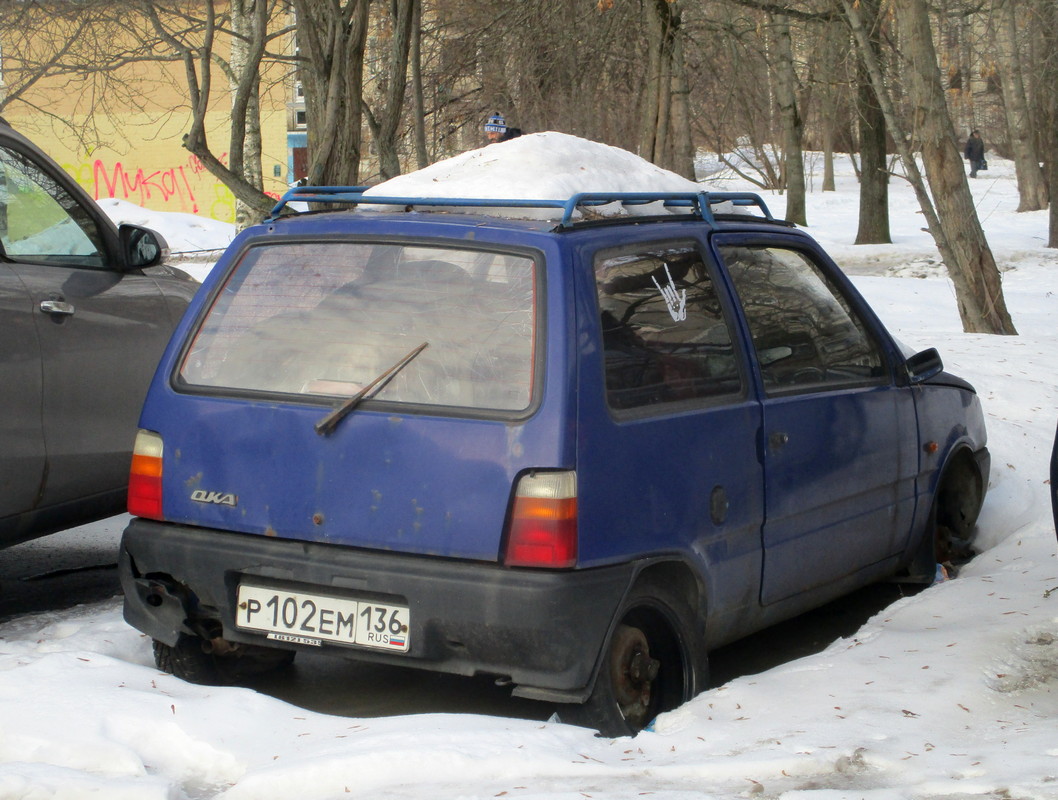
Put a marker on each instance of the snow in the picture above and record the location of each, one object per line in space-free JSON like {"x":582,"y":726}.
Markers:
{"x":536,"y":166}
{"x":950,"y":693}
{"x":193,"y":240}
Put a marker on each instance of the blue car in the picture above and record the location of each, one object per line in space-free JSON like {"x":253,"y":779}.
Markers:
{"x":575,"y":454}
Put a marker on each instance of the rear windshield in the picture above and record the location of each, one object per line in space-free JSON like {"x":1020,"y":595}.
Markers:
{"x":328,"y":318}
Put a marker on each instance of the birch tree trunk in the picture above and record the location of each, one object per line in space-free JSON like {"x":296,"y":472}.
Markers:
{"x":249,"y":19}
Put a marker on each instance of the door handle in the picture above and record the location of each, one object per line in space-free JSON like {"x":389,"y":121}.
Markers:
{"x":56,"y":307}
{"x":719,"y":505}
{"x":778,"y":440}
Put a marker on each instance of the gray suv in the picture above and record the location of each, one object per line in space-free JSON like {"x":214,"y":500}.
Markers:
{"x":86,"y":308}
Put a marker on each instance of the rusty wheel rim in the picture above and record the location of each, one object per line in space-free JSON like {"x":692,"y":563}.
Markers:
{"x":632,"y":674}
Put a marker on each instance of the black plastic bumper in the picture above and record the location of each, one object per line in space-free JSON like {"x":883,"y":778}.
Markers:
{"x":540,"y":630}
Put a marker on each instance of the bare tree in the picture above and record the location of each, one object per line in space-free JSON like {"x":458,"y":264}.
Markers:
{"x":793,"y":125}
{"x":873,"y":225}
{"x":733,"y":101}
{"x":829,"y":84}
{"x":249,"y":24}
{"x":664,"y":114}
{"x":1047,"y":16}
{"x":74,"y":49}
{"x":418,"y":109}
{"x":1032,"y":189}
{"x":953,"y":222}
{"x":192,"y":35}
{"x":332,"y":38}
{"x":389,"y":80}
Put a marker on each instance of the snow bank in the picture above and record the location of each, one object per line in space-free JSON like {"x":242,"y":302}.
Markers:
{"x":539,"y":166}
{"x":951,"y":693}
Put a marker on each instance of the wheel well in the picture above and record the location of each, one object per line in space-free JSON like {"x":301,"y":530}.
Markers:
{"x":675,"y":578}
{"x":678,"y":578}
{"x":960,"y":494}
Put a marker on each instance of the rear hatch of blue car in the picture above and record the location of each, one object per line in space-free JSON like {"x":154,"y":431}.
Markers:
{"x":368,"y":391}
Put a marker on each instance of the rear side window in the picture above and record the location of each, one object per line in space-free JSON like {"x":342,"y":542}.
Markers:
{"x":327,"y":318}
{"x":806,"y":335}
{"x":665,"y":336}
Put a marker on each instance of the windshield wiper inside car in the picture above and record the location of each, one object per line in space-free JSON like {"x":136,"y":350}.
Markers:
{"x":327,"y":425}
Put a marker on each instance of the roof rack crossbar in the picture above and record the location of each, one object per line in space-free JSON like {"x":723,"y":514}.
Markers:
{"x":699,"y":202}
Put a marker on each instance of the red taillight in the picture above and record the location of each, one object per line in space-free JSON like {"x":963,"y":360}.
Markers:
{"x":543,"y":530}
{"x":145,"y":477}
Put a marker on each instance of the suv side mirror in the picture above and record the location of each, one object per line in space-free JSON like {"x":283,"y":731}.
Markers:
{"x":923,"y":366}
{"x":142,"y":247}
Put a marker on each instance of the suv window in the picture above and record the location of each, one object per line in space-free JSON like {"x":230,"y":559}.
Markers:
{"x":804,"y":332}
{"x":664,"y":334}
{"x":40,"y":221}
{"x":327,"y":318}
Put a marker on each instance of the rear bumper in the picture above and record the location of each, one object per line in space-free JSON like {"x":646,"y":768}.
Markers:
{"x":542,"y":631}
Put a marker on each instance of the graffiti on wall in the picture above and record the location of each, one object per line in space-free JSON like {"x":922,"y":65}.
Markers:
{"x":171,"y":188}
{"x":167,"y":184}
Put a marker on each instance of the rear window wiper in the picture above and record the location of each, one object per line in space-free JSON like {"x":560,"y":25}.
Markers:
{"x":327,"y":425}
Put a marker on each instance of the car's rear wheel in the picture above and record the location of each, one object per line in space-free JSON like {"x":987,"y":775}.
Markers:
{"x":193,"y":660}
{"x":653,"y":662}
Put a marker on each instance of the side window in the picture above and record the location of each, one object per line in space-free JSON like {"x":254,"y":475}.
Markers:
{"x":664,"y":334}
{"x":806,"y":336}
{"x":40,"y":221}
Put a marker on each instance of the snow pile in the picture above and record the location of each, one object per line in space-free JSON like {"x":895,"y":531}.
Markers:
{"x":539,"y":166}
{"x":187,"y":235}
{"x":951,"y":693}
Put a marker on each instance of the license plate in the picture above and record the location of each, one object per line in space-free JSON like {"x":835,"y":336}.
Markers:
{"x":306,"y":618}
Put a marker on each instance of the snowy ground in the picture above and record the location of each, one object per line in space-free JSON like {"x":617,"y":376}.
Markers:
{"x":951,"y":693}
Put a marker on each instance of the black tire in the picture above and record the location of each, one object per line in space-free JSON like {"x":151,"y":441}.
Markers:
{"x":948,"y":538}
{"x":187,"y":661}
{"x":654,"y":661}
{"x":191,"y":662}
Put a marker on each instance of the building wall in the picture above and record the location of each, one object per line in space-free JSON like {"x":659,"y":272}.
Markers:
{"x":153,"y":169}
{"x":130,"y":146}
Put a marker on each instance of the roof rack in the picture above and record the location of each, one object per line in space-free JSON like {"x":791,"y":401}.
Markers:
{"x":699,"y":203}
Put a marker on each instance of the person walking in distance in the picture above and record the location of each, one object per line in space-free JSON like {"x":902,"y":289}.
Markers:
{"x":975,"y":152}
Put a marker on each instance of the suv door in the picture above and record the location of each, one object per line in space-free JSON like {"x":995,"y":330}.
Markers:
{"x":667,"y":457}
{"x":98,"y":331}
{"x":21,"y":433}
{"x":840,"y":437}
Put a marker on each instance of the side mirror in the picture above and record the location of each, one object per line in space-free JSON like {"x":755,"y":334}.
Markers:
{"x":142,"y":247}
{"x":923,"y":366}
